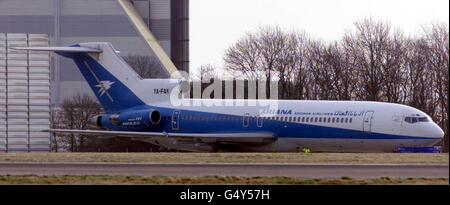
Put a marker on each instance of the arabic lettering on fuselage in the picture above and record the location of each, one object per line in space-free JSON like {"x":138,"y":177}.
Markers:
{"x":335,"y":113}
{"x":316,"y":113}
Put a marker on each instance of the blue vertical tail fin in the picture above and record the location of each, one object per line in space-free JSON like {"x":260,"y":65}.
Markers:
{"x":115,"y":84}
{"x":110,"y":78}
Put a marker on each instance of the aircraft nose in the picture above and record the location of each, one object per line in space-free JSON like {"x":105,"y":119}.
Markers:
{"x":436,"y":131}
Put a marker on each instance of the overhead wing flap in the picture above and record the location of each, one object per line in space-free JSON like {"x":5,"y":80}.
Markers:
{"x":254,"y":137}
{"x":61,"y":49}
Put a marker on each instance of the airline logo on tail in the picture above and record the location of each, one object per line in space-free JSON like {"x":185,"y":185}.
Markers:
{"x":104,"y":86}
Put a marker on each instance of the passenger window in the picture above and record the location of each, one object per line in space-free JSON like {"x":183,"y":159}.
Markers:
{"x":303,"y":119}
{"x":290,"y":119}
{"x":351,"y":119}
{"x":316,"y":119}
{"x":320,"y":119}
{"x":342,"y":120}
{"x":346,"y":120}
{"x":332,"y":119}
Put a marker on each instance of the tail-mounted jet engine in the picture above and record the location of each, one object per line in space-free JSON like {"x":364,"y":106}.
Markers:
{"x":139,"y":119}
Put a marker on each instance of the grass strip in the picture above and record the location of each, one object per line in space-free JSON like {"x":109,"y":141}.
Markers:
{"x":207,"y":180}
{"x":344,"y":158}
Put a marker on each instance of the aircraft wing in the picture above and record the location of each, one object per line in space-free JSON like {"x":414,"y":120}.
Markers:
{"x":248,"y":137}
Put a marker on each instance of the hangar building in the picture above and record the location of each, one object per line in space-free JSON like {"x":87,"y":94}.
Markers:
{"x":132,"y":26}
{"x":73,"y":21}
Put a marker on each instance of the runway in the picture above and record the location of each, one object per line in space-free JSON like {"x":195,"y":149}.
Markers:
{"x":180,"y":169}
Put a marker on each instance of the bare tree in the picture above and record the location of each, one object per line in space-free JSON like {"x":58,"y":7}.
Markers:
{"x":146,"y":66}
{"x":420,"y":79}
{"x":270,"y":54}
{"x":300,"y":72}
{"x":207,"y":72}
{"x":437,"y":37}
{"x":75,"y":113}
{"x":333,"y":79}
{"x":243,"y":58}
{"x":367,"y":47}
{"x":393,"y":68}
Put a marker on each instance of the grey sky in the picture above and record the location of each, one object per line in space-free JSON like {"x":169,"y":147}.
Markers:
{"x":216,"y":24}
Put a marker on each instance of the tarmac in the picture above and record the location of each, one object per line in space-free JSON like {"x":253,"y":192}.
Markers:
{"x":227,"y":169}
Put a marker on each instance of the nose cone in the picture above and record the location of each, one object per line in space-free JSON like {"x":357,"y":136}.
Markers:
{"x":436,"y":132}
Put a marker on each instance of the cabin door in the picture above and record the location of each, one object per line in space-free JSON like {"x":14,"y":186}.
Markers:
{"x":367,"y":123}
{"x":176,"y":120}
{"x":245,"y":120}
{"x":259,"y":121}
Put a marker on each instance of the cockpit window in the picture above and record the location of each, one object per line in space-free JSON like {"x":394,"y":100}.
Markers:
{"x":408,"y":119}
{"x":416,"y":119}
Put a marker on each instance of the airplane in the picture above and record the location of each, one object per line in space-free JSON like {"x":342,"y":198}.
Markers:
{"x":142,"y":109}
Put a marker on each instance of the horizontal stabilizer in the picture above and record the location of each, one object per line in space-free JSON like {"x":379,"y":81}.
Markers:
{"x":60,"y":49}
